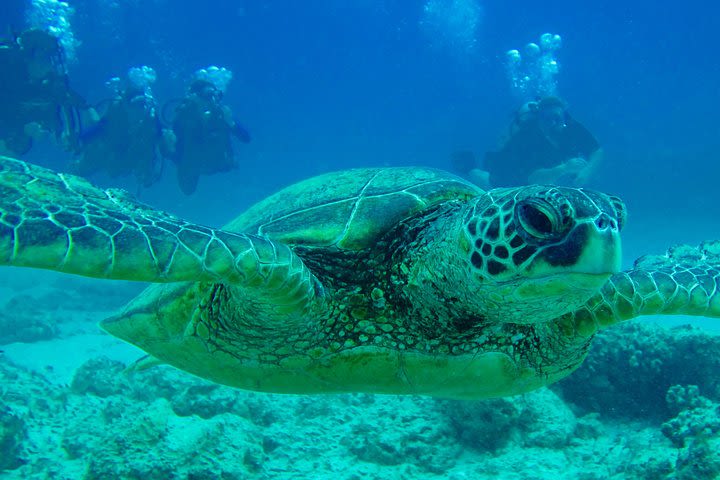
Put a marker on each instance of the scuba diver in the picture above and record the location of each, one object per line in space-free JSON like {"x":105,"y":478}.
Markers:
{"x":203,"y":129}
{"x":128,"y":138}
{"x":545,"y":145}
{"x":35,"y":94}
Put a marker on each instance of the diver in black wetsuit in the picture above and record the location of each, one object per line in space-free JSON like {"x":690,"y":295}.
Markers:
{"x":203,"y":129}
{"x":35,"y":94}
{"x":545,"y":146}
{"x":127,"y":139}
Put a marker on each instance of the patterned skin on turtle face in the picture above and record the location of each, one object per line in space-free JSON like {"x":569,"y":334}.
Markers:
{"x":514,"y":229}
{"x":538,"y":252}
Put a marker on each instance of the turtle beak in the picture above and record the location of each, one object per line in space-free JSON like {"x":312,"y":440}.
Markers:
{"x":567,"y":282}
{"x":603,"y":250}
{"x":592,"y":248}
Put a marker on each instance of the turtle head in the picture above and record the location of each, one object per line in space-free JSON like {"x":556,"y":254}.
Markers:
{"x":537,"y":252}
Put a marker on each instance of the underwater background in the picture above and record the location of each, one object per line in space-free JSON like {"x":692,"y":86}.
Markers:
{"x":325,"y":85}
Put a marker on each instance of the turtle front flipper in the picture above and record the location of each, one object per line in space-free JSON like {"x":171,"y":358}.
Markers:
{"x":62,"y":222}
{"x":684,"y":281}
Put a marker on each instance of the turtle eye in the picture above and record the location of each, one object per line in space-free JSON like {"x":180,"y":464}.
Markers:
{"x":539,"y":219}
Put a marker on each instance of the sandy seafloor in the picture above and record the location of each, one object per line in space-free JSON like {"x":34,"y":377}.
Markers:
{"x":646,"y":405}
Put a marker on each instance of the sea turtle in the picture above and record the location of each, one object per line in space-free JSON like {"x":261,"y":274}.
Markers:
{"x":384,"y":280}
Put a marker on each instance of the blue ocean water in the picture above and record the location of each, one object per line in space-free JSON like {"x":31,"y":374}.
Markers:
{"x":324,"y":85}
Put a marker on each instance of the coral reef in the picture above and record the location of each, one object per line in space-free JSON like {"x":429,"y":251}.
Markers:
{"x":112,"y":421}
{"x":12,"y":435}
{"x":21,"y":320}
{"x":539,"y":419}
{"x":162,"y":423}
{"x":38,"y":314}
{"x":700,"y":461}
{"x":631,"y":367}
{"x":695,"y":430}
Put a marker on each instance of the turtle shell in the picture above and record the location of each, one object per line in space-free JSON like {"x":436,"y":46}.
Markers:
{"x":351,"y":208}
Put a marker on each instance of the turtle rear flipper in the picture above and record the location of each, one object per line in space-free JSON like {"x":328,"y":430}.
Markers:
{"x":684,"y":281}
{"x":62,"y":222}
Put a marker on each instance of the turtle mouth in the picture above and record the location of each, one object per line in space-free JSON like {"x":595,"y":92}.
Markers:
{"x":545,"y":276}
{"x":533,"y":300}
{"x":559,"y":284}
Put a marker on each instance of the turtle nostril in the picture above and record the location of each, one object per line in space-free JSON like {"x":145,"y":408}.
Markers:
{"x":604,"y":222}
